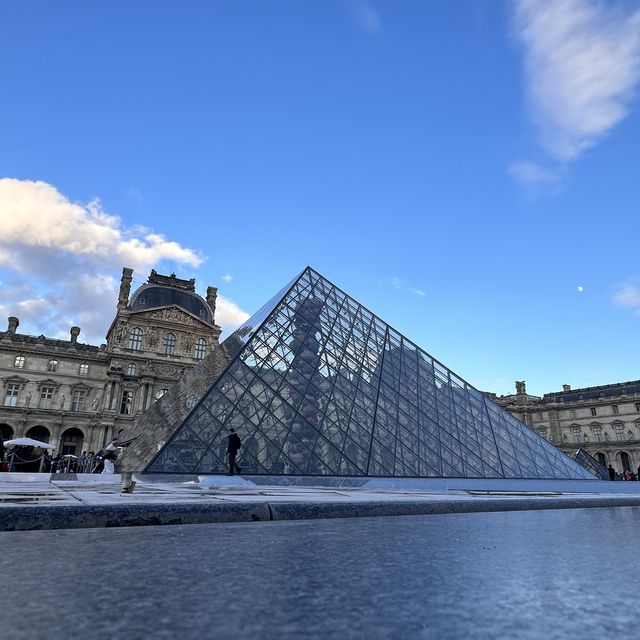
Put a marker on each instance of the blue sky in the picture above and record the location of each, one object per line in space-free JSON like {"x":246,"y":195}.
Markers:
{"x":467,"y":170}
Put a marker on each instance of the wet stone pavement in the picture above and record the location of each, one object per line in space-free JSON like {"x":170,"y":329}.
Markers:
{"x":529,"y":574}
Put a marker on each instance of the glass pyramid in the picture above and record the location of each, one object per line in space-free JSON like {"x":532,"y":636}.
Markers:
{"x":319,"y":385}
{"x":591,"y":464}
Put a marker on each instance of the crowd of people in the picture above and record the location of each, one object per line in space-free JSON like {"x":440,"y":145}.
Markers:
{"x":29,"y":459}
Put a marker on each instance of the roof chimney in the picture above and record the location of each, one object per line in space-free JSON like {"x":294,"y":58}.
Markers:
{"x":566,"y":387}
{"x":125,"y":287}
{"x":75,"y":332}
{"x":13,"y":325}
{"x":212,"y":294}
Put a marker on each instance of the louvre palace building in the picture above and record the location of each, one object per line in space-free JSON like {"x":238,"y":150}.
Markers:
{"x":316,"y":383}
{"x":604,"y":421}
{"x":77,"y":396}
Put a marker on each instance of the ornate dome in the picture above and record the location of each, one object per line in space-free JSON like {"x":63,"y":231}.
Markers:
{"x":152,"y":296}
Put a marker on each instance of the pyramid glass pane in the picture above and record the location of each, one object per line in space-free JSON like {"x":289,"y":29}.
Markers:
{"x":318,"y":385}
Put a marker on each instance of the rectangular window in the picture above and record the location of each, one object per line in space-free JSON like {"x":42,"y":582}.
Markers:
{"x":77,"y":401}
{"x":83,"y":369}
{"x":572,"y":413}
{"x":18,"y":363}
{"x":11,"y":395}
{"x":614,"y":408}
{"x":131,"y":369}
{"x":126,"y":406}
{"x":135,"y":339}
{"x":593,"y":411}
{"x":637,"y":406}
{"x":46,"y":397}
{"x":52,"y":366}
{"x":619,"y":430}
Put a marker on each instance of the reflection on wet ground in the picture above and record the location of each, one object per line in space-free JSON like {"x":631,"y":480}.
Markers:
{"x":527,"y":575}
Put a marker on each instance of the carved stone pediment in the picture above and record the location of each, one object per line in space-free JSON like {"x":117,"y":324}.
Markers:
{"x":80,"y":386}
{"x":47,"y":383}
{"x":173,"y":314}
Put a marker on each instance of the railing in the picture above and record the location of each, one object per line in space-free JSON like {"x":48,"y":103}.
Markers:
{"x":45,"y":464}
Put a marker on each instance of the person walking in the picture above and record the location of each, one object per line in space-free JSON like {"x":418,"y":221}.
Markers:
{"x":109,"y":462}
{"x":232,"y":451}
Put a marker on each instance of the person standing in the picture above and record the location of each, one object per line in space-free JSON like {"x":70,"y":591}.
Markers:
{"x":612,"y":473}
{"x":232,"y":451}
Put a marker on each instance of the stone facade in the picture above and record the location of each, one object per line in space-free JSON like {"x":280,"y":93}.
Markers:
{"x":77,"y":396}
{"x":604,"y":421}
{"x":151,"y":429}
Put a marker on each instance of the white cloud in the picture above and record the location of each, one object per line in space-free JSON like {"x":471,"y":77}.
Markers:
{"x":61,"y":261}
{"x":582,"y":65}
{"x":37,"y":215}
{"x":367,"y":18}
{"x":530,"y":174}
{"x":627,"y":295}
{"x":227,"y":278}
{"x":229,"y":315}
{"x":400,"y":284}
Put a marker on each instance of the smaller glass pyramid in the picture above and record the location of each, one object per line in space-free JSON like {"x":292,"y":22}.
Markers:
{"x":591,"y":464}
{"x":319,"y":385}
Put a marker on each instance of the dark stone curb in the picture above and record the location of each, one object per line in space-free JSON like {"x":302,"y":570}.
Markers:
{"x":30,"y":518}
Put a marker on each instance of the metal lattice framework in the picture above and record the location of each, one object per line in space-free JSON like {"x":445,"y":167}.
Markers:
{"x":319,"y":385}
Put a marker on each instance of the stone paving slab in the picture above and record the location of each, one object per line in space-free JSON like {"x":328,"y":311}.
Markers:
{"x":40,"y":501}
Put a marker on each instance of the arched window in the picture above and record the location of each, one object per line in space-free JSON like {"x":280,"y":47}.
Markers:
{"x":201,"y":348}
{"x":135,"y":339}
{"x":18,"y":363}
{"x":169,"y":344}
{"x":602,"y":459}
{"x":624,"y":458}
{"x":52,"y":366}
{"x":71,"y":441}
{"x":39,"y":433}
{"x":6,"y":431}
